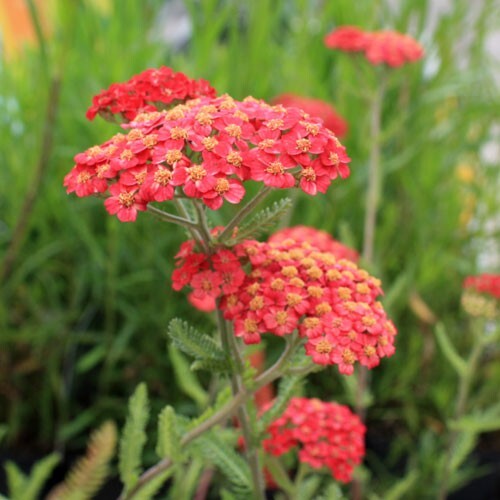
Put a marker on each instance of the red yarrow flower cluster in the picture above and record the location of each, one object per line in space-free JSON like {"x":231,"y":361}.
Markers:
{"x":319,"y":239}
{"x":488,"y":284}
{"x":316,"y":107}
{"x":293,"y":286}
{"x":379,"y":47}
{"x":151,"y":90}
{"x":326,"y":434}
{"x":206,"y":149}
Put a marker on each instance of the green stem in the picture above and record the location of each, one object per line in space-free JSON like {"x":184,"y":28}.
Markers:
{"x":374,"y":175}
{"x":227,"y":411}
{"x":180,"y":221}
{"x":464,"y":386}
{"x":372,"y":201}
{"x":193,"y":230}
{"x":237,"y":385}
{"x":227,"y":232}
{"x":202,"y":222}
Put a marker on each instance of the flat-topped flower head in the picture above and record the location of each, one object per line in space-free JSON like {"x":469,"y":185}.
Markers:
{"x":379,"y":47}
{"x":347,"y":38}
{"x":316,"y":107}
{"x":481,"y":295}
{"x":283,"y":286}
{"x":324,"y":434}
{"x":322,"y":240}
{"x":207,"y":149}
{"x":153,"y":89}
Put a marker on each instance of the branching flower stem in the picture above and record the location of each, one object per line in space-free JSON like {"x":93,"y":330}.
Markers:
{"x":227,"y":411}
{"x":226,"y":233}
{"x":372,"y":202}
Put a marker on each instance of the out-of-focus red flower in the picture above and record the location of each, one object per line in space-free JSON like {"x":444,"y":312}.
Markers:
{"x":484,"y":283}
{"x":326,"y":435}
{"x":379,"y":47}
{"x":481,"y":296}
{"x":316,"y":107}
{"x":317,"y":238}
{"x":347,"y":38}
{"x":392,"y":48}
{"x":151,"y":90}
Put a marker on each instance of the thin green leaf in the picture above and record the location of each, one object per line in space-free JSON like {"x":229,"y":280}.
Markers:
{"x":133,"y":438}
{"x":331,"y":492}
{"x":476,"y":424}
{"x":16,"y":480}
{"x":402,"y":488}
{"x":3,"y":431}
{"x":185,"y":379}
{"x":449,"y":350}
{"x":169,"y":442}
{"x":465,"y":444}
{"x":39,"y":475}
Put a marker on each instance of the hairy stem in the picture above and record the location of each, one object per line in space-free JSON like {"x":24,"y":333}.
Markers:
{"x":372,"y":201}
{"x":175,"y":219}
{"x":226,"y":233}
{"x":227,"y":411}
{"x":237,"y":386}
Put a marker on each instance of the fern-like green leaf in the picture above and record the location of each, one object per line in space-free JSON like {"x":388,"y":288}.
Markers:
{"x":264,"y":221}
{"x":194,"y":343}
{"x":217,"y":452}
{"x":134,"y":437}
{"x":16,"y":480}
{"x":185,"y":379}
{"x":287,"y":388}
{"x":169,"y":441}
{"x":39,"y":475}
{"x":89,"y":473}
{"x":211,"y":365}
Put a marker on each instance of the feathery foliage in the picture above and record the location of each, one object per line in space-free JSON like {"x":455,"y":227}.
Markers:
{"x":197,"y":345}
{"x":169,"y":442}
{"x":89,"y":473}
{"x":134,"y":437}
{"x":287,"y":388}
{"x":217,"y":452}
{"x":264,"y":221}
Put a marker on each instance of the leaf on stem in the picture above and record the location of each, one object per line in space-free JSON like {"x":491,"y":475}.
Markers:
{"x":194,"y":343}
{"x":89,"y":473}
{"x":449,"y":350}
{"x":288,"y":387}
{"x":216,"y":451}
{"x":134,"y":437}
{"x":263,"y":221}
{"x":169,"y":441}
{"x":185,"y":379}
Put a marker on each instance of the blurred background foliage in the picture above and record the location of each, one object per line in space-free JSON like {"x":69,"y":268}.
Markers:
{"x":85,"y":300}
